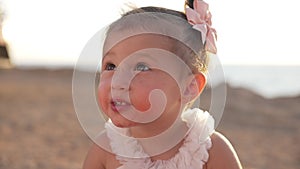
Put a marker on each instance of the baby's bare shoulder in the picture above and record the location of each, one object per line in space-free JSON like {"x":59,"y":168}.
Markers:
{"x":96,"y":158}
{"x":222,"y":154}
{"x":99,"y":154}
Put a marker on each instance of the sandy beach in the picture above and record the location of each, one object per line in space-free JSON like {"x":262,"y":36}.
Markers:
{"x":39,"y":128}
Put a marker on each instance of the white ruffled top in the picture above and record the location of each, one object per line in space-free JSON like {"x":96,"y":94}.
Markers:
{"x":193,"y":153}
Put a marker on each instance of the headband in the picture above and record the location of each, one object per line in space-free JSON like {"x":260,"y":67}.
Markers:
{"x":200,"y":18}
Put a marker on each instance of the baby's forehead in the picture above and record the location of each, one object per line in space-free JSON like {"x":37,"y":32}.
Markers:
{"x":163,"y":24}
{"x":138,"y":41}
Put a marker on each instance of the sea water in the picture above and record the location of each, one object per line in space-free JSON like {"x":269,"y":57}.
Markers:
{"x":268,"y":81}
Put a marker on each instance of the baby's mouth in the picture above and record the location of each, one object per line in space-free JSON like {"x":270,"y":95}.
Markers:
{"x":119,"y":105}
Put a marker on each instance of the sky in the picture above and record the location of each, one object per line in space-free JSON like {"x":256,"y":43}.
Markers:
{"x":54,"y":32}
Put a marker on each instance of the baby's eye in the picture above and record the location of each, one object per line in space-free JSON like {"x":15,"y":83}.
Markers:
{"x":110,"y":66}
{"x":142,"y":67}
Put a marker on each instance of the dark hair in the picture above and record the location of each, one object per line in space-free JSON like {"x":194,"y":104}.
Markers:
{"x":190,"y":49}
{"x":190,"y":3}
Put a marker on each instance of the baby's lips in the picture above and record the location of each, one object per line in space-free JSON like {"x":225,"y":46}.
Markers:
{"x":121,"y":102}
{"x":120,"y":105}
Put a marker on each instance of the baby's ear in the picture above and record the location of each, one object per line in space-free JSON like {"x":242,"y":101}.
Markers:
{"x":194,"y":86}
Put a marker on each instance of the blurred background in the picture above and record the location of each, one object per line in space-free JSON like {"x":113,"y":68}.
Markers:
{"x":41,"y":40}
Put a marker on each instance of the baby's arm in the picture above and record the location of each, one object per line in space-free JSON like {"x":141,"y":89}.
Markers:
{"x":222,"y":155}
{"x":95,"y":158}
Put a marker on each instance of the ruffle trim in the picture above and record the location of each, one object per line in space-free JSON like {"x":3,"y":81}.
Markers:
{"x":193,"y":154}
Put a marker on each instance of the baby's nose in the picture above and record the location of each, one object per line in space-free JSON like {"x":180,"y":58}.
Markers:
{"x":121,"y":80}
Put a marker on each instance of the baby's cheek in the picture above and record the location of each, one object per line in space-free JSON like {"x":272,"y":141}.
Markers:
{"x":103,"y":94}
{"x":141,"y":101}
{"x":143,"y":98}
{"x":104,"y":83}
{"x":141,"y":88}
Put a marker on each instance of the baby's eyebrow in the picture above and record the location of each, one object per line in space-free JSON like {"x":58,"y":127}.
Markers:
{"x":147,"y":55}
{"x":109,"y":53}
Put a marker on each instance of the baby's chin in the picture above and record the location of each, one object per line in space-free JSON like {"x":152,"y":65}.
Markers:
{"x":123,"y":123}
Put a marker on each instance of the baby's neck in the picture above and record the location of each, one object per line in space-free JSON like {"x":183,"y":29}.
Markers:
{"x":168,"y":154}
{"x":160,"y":141}
{"x":156,"y":128}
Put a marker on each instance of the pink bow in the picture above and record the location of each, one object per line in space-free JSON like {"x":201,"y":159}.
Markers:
{"x":200,"y":18}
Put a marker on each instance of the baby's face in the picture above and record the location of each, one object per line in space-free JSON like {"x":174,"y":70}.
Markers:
{"x":140,"y":81}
